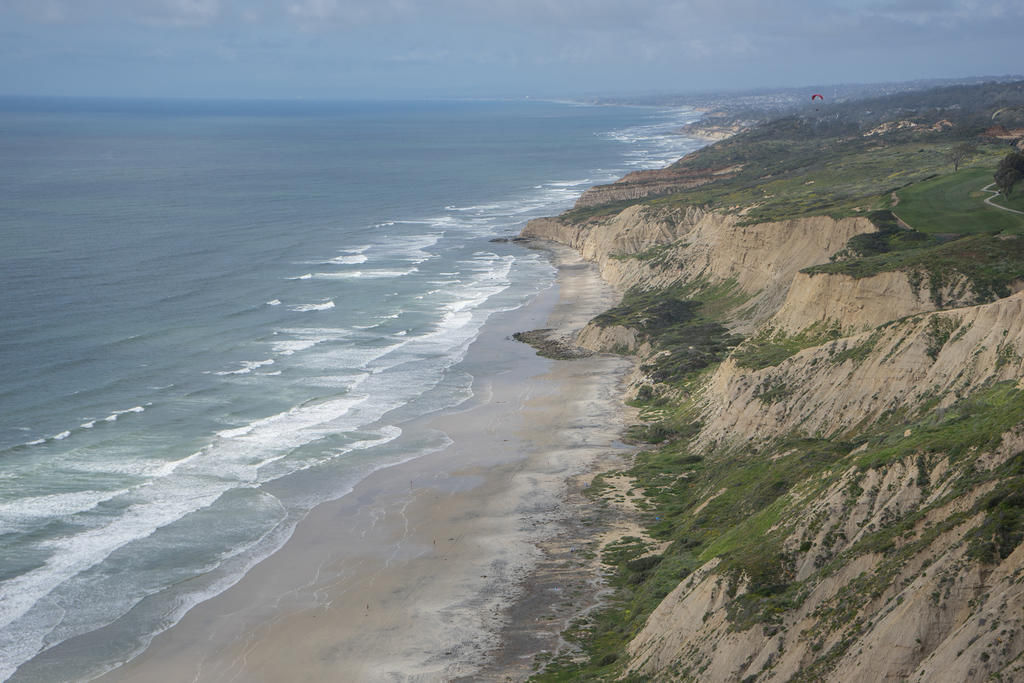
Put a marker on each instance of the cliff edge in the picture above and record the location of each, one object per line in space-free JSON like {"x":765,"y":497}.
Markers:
{"x":832,"y":405}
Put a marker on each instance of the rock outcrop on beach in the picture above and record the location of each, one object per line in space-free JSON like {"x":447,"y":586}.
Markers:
{"x":834,"y":488}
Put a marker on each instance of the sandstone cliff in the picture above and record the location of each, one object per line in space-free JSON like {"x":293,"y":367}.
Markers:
{"x":856,"y":304}
{"x":630,"y":232}
{"x":887,"y":457}
{"x":923,"y":610}
{"x":836,"y":386}
{"x":699,"y":246}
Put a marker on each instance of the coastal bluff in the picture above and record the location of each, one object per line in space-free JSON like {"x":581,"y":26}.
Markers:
{"x":651,"y":183}
{"x":881,"y":562}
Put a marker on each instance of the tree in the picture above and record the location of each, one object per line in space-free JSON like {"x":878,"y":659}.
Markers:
{"x":1009,"y":172}
{"x":959,"y":153}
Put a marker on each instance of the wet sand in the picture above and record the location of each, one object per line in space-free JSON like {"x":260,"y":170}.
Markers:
{"x":446,"y":566}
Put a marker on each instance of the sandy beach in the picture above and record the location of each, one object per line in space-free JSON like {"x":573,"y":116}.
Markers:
{"x":441,"y":567}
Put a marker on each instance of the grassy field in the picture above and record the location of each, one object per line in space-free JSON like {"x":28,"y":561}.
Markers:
{"x":991,"y":263}
{"x":1016,"y":201}
{"x":788,"y":171}
{"x":954,"y":203}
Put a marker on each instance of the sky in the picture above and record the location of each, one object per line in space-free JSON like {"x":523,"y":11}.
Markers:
{"x":394,"y":49}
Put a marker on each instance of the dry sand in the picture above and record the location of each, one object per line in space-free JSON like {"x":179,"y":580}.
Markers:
{"x":460,"y":563}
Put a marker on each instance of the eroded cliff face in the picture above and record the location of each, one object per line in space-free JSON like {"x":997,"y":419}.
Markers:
{"x":836,"y":386}
{"x":704,"y":246}
{"x":922,"y":610}
{"x":631,"y":231}
{"x":880,"y":569}
{"x":762,"y":258}
{"x":855,"y":304}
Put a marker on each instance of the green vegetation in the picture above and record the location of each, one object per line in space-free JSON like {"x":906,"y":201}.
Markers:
{"x":850,"y":162}
{"x":954,"y":203}
{"x":686,"y":330}
{"x":989,"y":262}
{"x":804,"y":175}
{"x":975,"y":423}
{"x":651,"y":312}
{"x":750,"y":505}
{"x":548,"y":347}
{"x":657,"y":255}
{"x":1009,"y":172}
{"x":940,"y":329}
{"x":1016,"y":202}
{"x":891,"y":236}
{"x":787,"y":170}
{"x":769,"y":349}
{"x":960,"y":152}
{"x":856,"y":352}
{"x":1003,"y":528}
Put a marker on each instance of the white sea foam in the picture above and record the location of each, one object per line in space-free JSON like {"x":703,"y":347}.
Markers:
{"x":304,"y":276}
{"x":322,"y":306}
{"x":287,"y":348}
{"x":347,"y":259}
{"x":571,"y":183}
{"x":387,"y":434}
{"x":659,"y":143}
{"x":232,"y":433}
{"x":267,"y":544}
{"x":247,"y":367}
{"x":348,"y":357}
{"x":477,"y":207}
{"x":367,"y":274}
{"x":88,"y":424}
{"x":118,"y":413}
{"x":386,"y":376}
{"x":235,"y":459}
{"x":31,"y":509}
{"x":73,"y":554}
{"x":302,"y":338}
{"x":413,"y":248}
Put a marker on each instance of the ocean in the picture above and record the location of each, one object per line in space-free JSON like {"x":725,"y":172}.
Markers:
{"x":216,"y":315}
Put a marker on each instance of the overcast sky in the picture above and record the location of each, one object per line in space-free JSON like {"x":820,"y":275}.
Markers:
{"x":331,"y":49}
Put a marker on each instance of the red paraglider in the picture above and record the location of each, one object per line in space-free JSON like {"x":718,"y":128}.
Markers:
{"x":817,"y":95}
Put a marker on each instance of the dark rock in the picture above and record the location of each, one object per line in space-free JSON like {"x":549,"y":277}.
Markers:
{"x":551,"y":348}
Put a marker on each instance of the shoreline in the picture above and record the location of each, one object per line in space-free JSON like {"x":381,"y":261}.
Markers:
{"x":440,"y":567}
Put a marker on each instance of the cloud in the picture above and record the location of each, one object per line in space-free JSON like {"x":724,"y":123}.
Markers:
{"x":181,"y":12}
{"x":608,"y":45}
{"x":43,"y":11}
{"x":169,"y":13}
{"x":327,"y":14}
{"x":703,"y":20}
